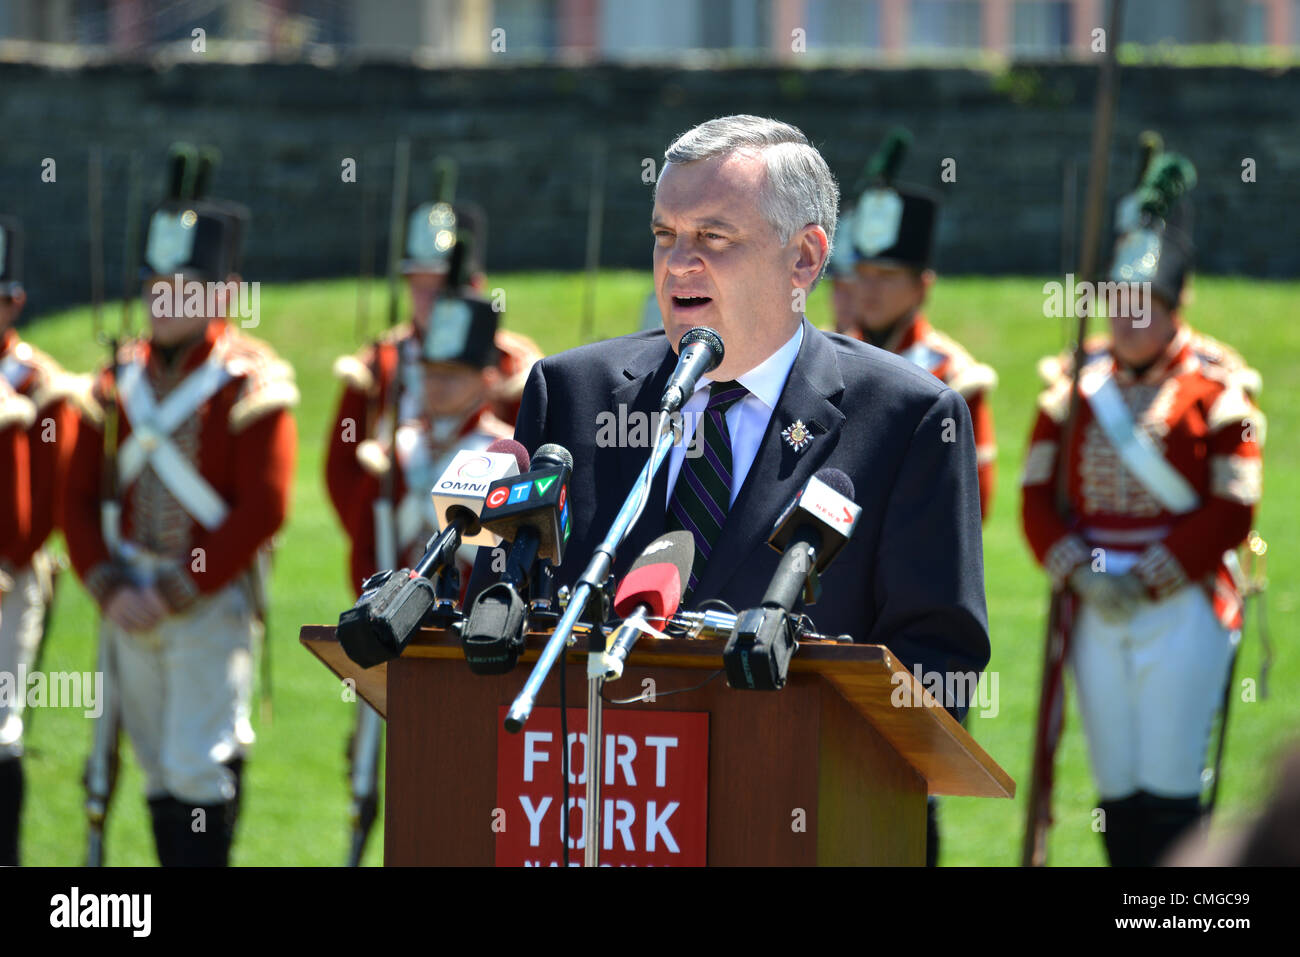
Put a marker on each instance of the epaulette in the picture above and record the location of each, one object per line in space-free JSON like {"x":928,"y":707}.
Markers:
{"x":966,"y":376}
{"x":15,"y":409}
{"x":268,"y":381}
{"x":1234,"y":369}
{"x":46,"y":372}
{"x":354,"y":371}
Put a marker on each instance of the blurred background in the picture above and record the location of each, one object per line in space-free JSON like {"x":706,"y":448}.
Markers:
{"x":552,"y":109}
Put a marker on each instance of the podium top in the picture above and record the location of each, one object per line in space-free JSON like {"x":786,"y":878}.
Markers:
{"x":869,"y":677}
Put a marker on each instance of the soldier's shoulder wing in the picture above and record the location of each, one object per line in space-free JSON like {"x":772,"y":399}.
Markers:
{"x":266,"y":381}
{"x":964,"y":375}
{"x":15,"y":409}
{"x":1221,"y":361}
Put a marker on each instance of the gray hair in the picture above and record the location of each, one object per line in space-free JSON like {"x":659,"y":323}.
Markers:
{"x":800,"y":190}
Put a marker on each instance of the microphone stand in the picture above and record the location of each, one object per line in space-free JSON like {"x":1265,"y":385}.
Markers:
{"x":595,"y":749}
{"x":590,"y":586}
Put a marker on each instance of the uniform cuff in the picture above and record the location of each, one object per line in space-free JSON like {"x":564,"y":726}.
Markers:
{"x":176,"y":588}
{"x":1160,"y":571}
{"x":1067,"y":554}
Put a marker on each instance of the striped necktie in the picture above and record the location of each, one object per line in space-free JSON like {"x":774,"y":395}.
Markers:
{"x":702,"y":495}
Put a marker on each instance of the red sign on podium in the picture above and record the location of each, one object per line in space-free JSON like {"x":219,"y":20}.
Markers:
{"x":654,"y":793}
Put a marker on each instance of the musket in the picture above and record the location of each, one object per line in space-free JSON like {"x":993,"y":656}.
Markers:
{"x":1253,"y":585}
{"x":1038,"y":814}
{"x":368,"y":733}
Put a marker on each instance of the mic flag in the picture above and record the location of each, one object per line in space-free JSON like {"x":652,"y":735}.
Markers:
{"x":652,"y":588}
{"x":658,"y":577}
{"x":538,"y":498}
{"x":465,"y":483}
{"x":809,"y":534}
{"x":823,"y":506}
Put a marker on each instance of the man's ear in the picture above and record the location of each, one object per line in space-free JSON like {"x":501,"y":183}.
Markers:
{"x":19,"y":297}
{"x":812,"y":247}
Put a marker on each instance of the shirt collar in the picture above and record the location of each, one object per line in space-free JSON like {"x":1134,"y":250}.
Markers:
{"x":767,"y":379}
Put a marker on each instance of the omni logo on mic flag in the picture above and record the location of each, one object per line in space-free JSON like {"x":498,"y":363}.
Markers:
{"x":654,"y":789}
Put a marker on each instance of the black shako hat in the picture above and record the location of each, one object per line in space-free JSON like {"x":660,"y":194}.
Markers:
{"x":890,"y":222}
{"x":188,"y":233}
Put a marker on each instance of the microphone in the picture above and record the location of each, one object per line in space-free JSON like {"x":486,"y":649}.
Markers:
{"x":810,"y":532}
{"x":531,"y":511}
{"x":699,"y":351}
{"x":652,"y":588}
{"x":394,"y":603}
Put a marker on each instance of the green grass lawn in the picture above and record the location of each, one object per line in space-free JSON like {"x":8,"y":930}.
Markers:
{"x":295,"y":808}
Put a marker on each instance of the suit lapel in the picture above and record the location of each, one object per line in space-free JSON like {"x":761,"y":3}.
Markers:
{"x":640,"y":395}
{"x":779,"y":471}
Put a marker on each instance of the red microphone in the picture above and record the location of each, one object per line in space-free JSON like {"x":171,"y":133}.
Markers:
{"x":651,"y":590}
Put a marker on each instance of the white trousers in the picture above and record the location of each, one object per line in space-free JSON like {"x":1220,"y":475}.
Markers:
{"x":22,"y":616}
{"x":184,"y":689}
{"x":1149,"y":688}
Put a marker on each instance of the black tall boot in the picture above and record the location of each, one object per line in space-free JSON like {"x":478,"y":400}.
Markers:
{"x":1165,"y":820}
{"x":168,"y":817}
{"x":932,"y":831}
{"x":205,"y":840}
{"x":11,"y":809}
{"x":1123,"y":827}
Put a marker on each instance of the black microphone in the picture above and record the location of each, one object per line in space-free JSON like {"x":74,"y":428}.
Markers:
{"x":394,"y":603}
{"x":810,"y":532}
{"x":699,"y":351}
{"x":531,"y":511}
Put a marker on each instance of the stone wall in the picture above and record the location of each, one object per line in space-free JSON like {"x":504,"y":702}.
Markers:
{"x":524,"y":138}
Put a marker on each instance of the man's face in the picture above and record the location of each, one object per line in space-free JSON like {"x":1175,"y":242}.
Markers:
{"x":169,"y":325}
{"x":425,"y":288}
{"x":881,"y":294}
{"x":718,"y":262}
{"x":1141,"y":328}
{"x":453,"y":389}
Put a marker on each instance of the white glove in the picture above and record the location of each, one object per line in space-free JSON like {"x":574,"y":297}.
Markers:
{"x":1115,"y":597}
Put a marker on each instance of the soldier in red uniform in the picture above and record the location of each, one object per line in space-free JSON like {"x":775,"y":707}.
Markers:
{"x":16,"y":415}
{"x":28,"y":569}
{"x":1163,"y":474}
{"x":180,"y":477}
{"x":881,"y":275}
{"x":448,"y":379}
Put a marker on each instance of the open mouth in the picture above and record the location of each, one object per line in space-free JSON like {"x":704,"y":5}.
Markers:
{"x":690,"y":302}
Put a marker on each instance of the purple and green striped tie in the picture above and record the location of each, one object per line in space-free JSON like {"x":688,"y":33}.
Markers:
{"x":702,"y":494}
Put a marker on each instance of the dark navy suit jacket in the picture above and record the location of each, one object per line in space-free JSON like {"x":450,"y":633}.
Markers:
{"x":911,"y":577}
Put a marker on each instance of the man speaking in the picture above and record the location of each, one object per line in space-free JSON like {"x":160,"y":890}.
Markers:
{"x":743,"y":221}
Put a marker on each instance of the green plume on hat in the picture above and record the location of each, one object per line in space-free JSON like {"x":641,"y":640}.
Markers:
{"x":883,"y":166}
{"x":1168,"y":178}
{"x":181,"y":169}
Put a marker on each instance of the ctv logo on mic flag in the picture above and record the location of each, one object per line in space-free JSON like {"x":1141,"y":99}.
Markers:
{"x":654,"y":789}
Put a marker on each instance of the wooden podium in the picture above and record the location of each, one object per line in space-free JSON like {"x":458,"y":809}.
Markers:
{"x":832,"y":744}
